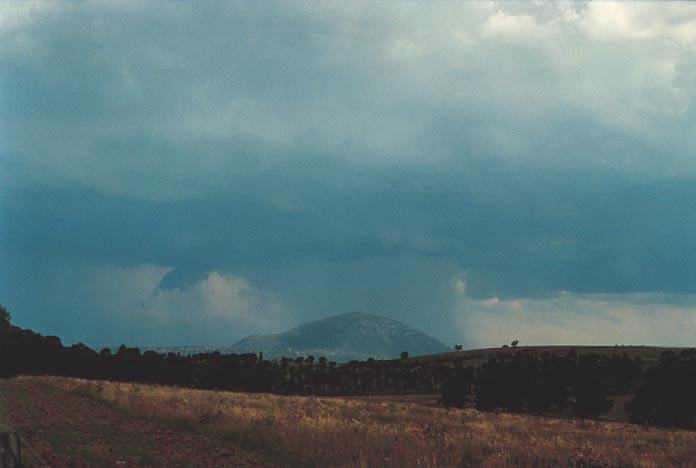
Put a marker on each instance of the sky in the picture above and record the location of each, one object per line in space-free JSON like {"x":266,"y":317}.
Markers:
{"x":191,"y":173}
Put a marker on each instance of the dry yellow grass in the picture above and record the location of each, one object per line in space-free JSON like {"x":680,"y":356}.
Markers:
{"x":318,"y":431}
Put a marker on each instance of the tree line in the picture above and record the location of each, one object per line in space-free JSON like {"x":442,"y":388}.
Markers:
{"x":514,"y":381}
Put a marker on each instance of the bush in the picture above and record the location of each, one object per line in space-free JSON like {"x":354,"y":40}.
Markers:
{"x":590,"y":396}
{"x":667,"y":396}
{"x":5,"y":318}
{"x":456,"y":388}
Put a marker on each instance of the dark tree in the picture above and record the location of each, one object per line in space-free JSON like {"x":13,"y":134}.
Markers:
{"x":456,"y":387}
{"x":457,"y":347}
{"x":590,"y":389}
{"x":590,"y":396}
{"x":667,"y":394}
{"x":404,"y":355}
{"x":5,"y":317}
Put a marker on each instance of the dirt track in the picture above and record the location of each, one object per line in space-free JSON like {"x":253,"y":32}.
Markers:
{"x":68,"y":429}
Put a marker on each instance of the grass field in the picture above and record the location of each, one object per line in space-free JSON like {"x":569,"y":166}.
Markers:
{"x":64,"y":428}
{"x":309,"y":431}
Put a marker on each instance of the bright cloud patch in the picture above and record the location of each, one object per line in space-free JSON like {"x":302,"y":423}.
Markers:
{"x":221,"y":302}
{"x":641,"y":21}
{"x":645,"y":319}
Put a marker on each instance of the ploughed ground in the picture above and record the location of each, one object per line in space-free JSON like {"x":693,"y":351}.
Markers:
{"x":71,"y":429}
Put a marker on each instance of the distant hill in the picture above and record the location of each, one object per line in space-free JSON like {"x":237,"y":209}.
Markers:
{"x":343,"y":338}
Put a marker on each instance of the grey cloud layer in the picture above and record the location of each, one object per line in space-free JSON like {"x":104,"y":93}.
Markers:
{"x":314,"y":150}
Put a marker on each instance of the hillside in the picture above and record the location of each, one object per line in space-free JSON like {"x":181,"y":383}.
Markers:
{"x":475,"y":357}
{"x":343,"y":338}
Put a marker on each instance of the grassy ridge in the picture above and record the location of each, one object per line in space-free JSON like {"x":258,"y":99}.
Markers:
{"x":649,"y":354}
{"x":318,"y":431}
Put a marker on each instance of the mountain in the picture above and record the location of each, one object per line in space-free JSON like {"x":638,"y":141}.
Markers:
{"x":343,"y":338}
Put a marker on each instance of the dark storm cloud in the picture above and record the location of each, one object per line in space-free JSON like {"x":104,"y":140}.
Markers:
{"x":327,"y":158}
{"x":556,"y":236}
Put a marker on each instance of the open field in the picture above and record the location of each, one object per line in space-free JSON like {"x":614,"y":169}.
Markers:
{"x":70,"y":429}
{"x":154,"y":421}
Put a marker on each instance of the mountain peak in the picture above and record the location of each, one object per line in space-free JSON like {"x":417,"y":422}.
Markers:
{"x":344,"y":337}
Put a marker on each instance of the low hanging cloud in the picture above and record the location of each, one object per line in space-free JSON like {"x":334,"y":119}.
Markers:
{"x":567,"y":318}
{"x":219,"y":305}
{"x":107,"y":305}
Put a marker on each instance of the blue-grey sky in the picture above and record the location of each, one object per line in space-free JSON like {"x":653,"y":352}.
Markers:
{"x":179,"y":173}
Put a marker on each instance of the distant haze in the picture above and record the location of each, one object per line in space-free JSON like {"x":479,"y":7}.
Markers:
{"x":194,"y":173}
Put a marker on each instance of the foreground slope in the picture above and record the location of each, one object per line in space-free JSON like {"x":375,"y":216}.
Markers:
{"x":343,"y":338}
{"x":71,"y":429}
{"x":327,"y":432}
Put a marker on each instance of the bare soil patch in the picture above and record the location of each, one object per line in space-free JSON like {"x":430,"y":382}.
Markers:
{"x":70,"y":429}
